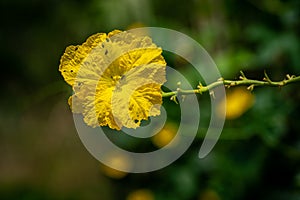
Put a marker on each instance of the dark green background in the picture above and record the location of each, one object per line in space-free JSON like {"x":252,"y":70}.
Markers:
{"x":41,"y":156}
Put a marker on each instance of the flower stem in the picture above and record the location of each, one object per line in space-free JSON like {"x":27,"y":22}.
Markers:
{"x":231,"y":83}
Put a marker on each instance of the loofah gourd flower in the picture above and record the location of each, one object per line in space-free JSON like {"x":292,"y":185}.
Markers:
{"x":116,"y":79}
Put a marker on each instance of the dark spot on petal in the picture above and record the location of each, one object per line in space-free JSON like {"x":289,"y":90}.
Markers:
{"x":102,"y":45}
{"x":136,"y":121}
{"x":122,"y":77}
{"x":107,"y":40}
{"x":76,"y":48}
{"x":65,"y":70}
{"x":106,"y":52}
{"x":71,"y":71}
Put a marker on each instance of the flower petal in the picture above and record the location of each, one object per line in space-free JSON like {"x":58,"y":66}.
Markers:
{"x":116,"y":79}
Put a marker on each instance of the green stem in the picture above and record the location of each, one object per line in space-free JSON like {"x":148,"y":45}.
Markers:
{"x":231,"y":83}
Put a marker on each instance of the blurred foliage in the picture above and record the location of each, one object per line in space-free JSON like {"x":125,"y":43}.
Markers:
{"x":257,"y":156}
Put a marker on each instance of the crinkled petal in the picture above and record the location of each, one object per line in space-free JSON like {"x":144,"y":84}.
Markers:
{"x":116,"y":79}
{"x":138,"y":95}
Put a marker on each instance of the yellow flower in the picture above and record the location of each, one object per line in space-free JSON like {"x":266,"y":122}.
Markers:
{"x":116,"y":79}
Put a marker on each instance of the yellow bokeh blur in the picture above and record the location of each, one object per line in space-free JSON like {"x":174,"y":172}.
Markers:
{"x":119,"y":162}
{"x":238,"y":101}
{"x":138,"y":29}
{"x":141,"y":194}
{"x":165,"y":136}
{"x":136,"y":25}
{"x":112,"y":173}
{"x":209,"y":195}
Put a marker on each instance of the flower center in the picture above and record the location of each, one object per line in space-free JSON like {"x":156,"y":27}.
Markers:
{"x":116,"y":78}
